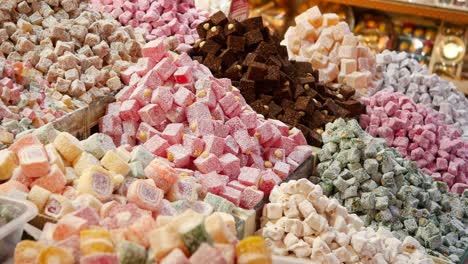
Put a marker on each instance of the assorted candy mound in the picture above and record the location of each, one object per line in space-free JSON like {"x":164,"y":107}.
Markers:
{"x":407,"y":76}
{"x":332,"y":49}
{"x":301,"y":220}
{"x":201,"y":126}
{"x":189,"y":237}
{"x":79,"y":51}
{"x":384,"y":189}
{"x":158,"y":18}
{"x":258,"y":65}
{"x":24,"y":104}
{"x":421,"y":134}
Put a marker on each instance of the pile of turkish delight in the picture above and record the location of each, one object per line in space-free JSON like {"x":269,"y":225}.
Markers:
{"x":409,"y":77}
{"x":158,"y":19}
{"x":189,"y":237}
{"x":384,"y":189}
{"x":301,"y":220}
{"x":421,"y":134}
{"x":332,"y":49}
{"x":248,"y":54}
{"x":79,"y":51}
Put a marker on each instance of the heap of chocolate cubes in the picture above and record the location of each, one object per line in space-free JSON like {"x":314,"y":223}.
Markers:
{"x":275,"y":87}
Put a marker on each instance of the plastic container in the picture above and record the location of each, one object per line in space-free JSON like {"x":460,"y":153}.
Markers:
{"x":10,"y":233}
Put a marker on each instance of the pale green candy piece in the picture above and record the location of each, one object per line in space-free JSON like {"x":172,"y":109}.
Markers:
{"x":136,"y":170}
{"x":350,"y":192}
{"x":361,"y":175}
{"x":381,"y":203}
{"x":98,"y":144}
{"x":354,"y":155}
{"x":46,"y":134}
{"x":368,"y":200}
{"x":340,"y":184}
{"x":219,"y":203}
{"x":371,"y":166}
{"x":130,"y":253}
{"x":193,"y":234}
{"x":142,"y":155}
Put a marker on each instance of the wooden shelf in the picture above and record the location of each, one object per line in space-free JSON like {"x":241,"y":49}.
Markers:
{"x":411,"y":8}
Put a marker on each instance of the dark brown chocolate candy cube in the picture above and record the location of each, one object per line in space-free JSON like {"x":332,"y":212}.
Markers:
{"x":228,"y":56}
{"x":234,"y":72}
{"x":219,"y":18}
{"x":266,"y":48}
{"x":251,"y":58}
{"x":266,"y":99}
{"x":215,"y":33}
{"x":291,"y":117}
{"x":285,"y":103}
{"x":347,"y":91}
{"x":256,"y":71}
{"x":305,"y":103}
{"x":253,"y":23}
{"x":337,"y":110}
{"x":247,"y":89}
{"x":210,"y":46}
{"x":273,"y":73}
{"x":253,"y":37}
{"x":314,"y":139}
{"x":274,"y":109}
{"x":236,"y":43}
{"x":213,"y":63}
{"x":259,"y":107}
{"x":233,"y":27}
{"x":202,"y":28}
{"x":353,"y":106}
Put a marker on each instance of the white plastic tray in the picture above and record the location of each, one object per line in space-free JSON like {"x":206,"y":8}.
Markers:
{"x":10,"y":234}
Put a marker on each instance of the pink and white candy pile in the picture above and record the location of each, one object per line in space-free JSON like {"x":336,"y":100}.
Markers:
{"x":199,"y":124}
{"x":158,"y":18}
{"x":332,"y":49}
{"x":420,"y":134}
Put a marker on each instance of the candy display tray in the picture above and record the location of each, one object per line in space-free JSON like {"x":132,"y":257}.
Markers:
{"x":10,"y":234}
{"x":79,"y":122}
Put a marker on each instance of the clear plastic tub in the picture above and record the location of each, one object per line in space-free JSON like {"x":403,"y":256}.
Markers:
{"x":11,"y":232}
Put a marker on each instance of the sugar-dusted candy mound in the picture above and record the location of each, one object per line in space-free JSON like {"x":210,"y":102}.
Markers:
{"x":409,"y":77}
{"x":332,"y":49}
{"x":26,"y":102}
{"x":79,"y":51}
{"x":199,"y":123}
{"x":302,"y":221}
{"x":258,"y":65}
{"x":158,"y":18}
{"x":421,"y":134}
{"x":384,"y":189}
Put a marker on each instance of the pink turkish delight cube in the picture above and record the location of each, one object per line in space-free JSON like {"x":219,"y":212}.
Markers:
{"x":214,"y":144}
{"x":230,"y":145}
{"x":163,"y":97}
{"x":194,"y":144}
{"x":244,"y":141}
{"x":232,"y":195}
{"x":179,"y":155}
{"x":173,"y":133}
{"x":176,"y":114}
{"x":111,"y":125}
{"x":235,"y":124}
{"x":268,"y":180}
{"x":236,"y":185}
{"x":249,"y":176}
{"x":183,"y":75}
{"x":183,"y":97}
{"x":197,"y":112}
{"x":230,"y":103}
{"x":152,"y":114}
{"x":219,"y":88}
{"x":165,"y":68}
{"x":207,"y":163}
{"x":154,"y":49}
{"x":213,"y":182}
{"x":175,"y":257}
{"x":275,"y":155}
{"x":282,"y":169}
{"x":130,"y":127}
{"x":230,"y":165}
{"x":250,"y":197}
{"x":297,"y":136}
{"x":129,"y":110}
{"x":157,"y":145}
